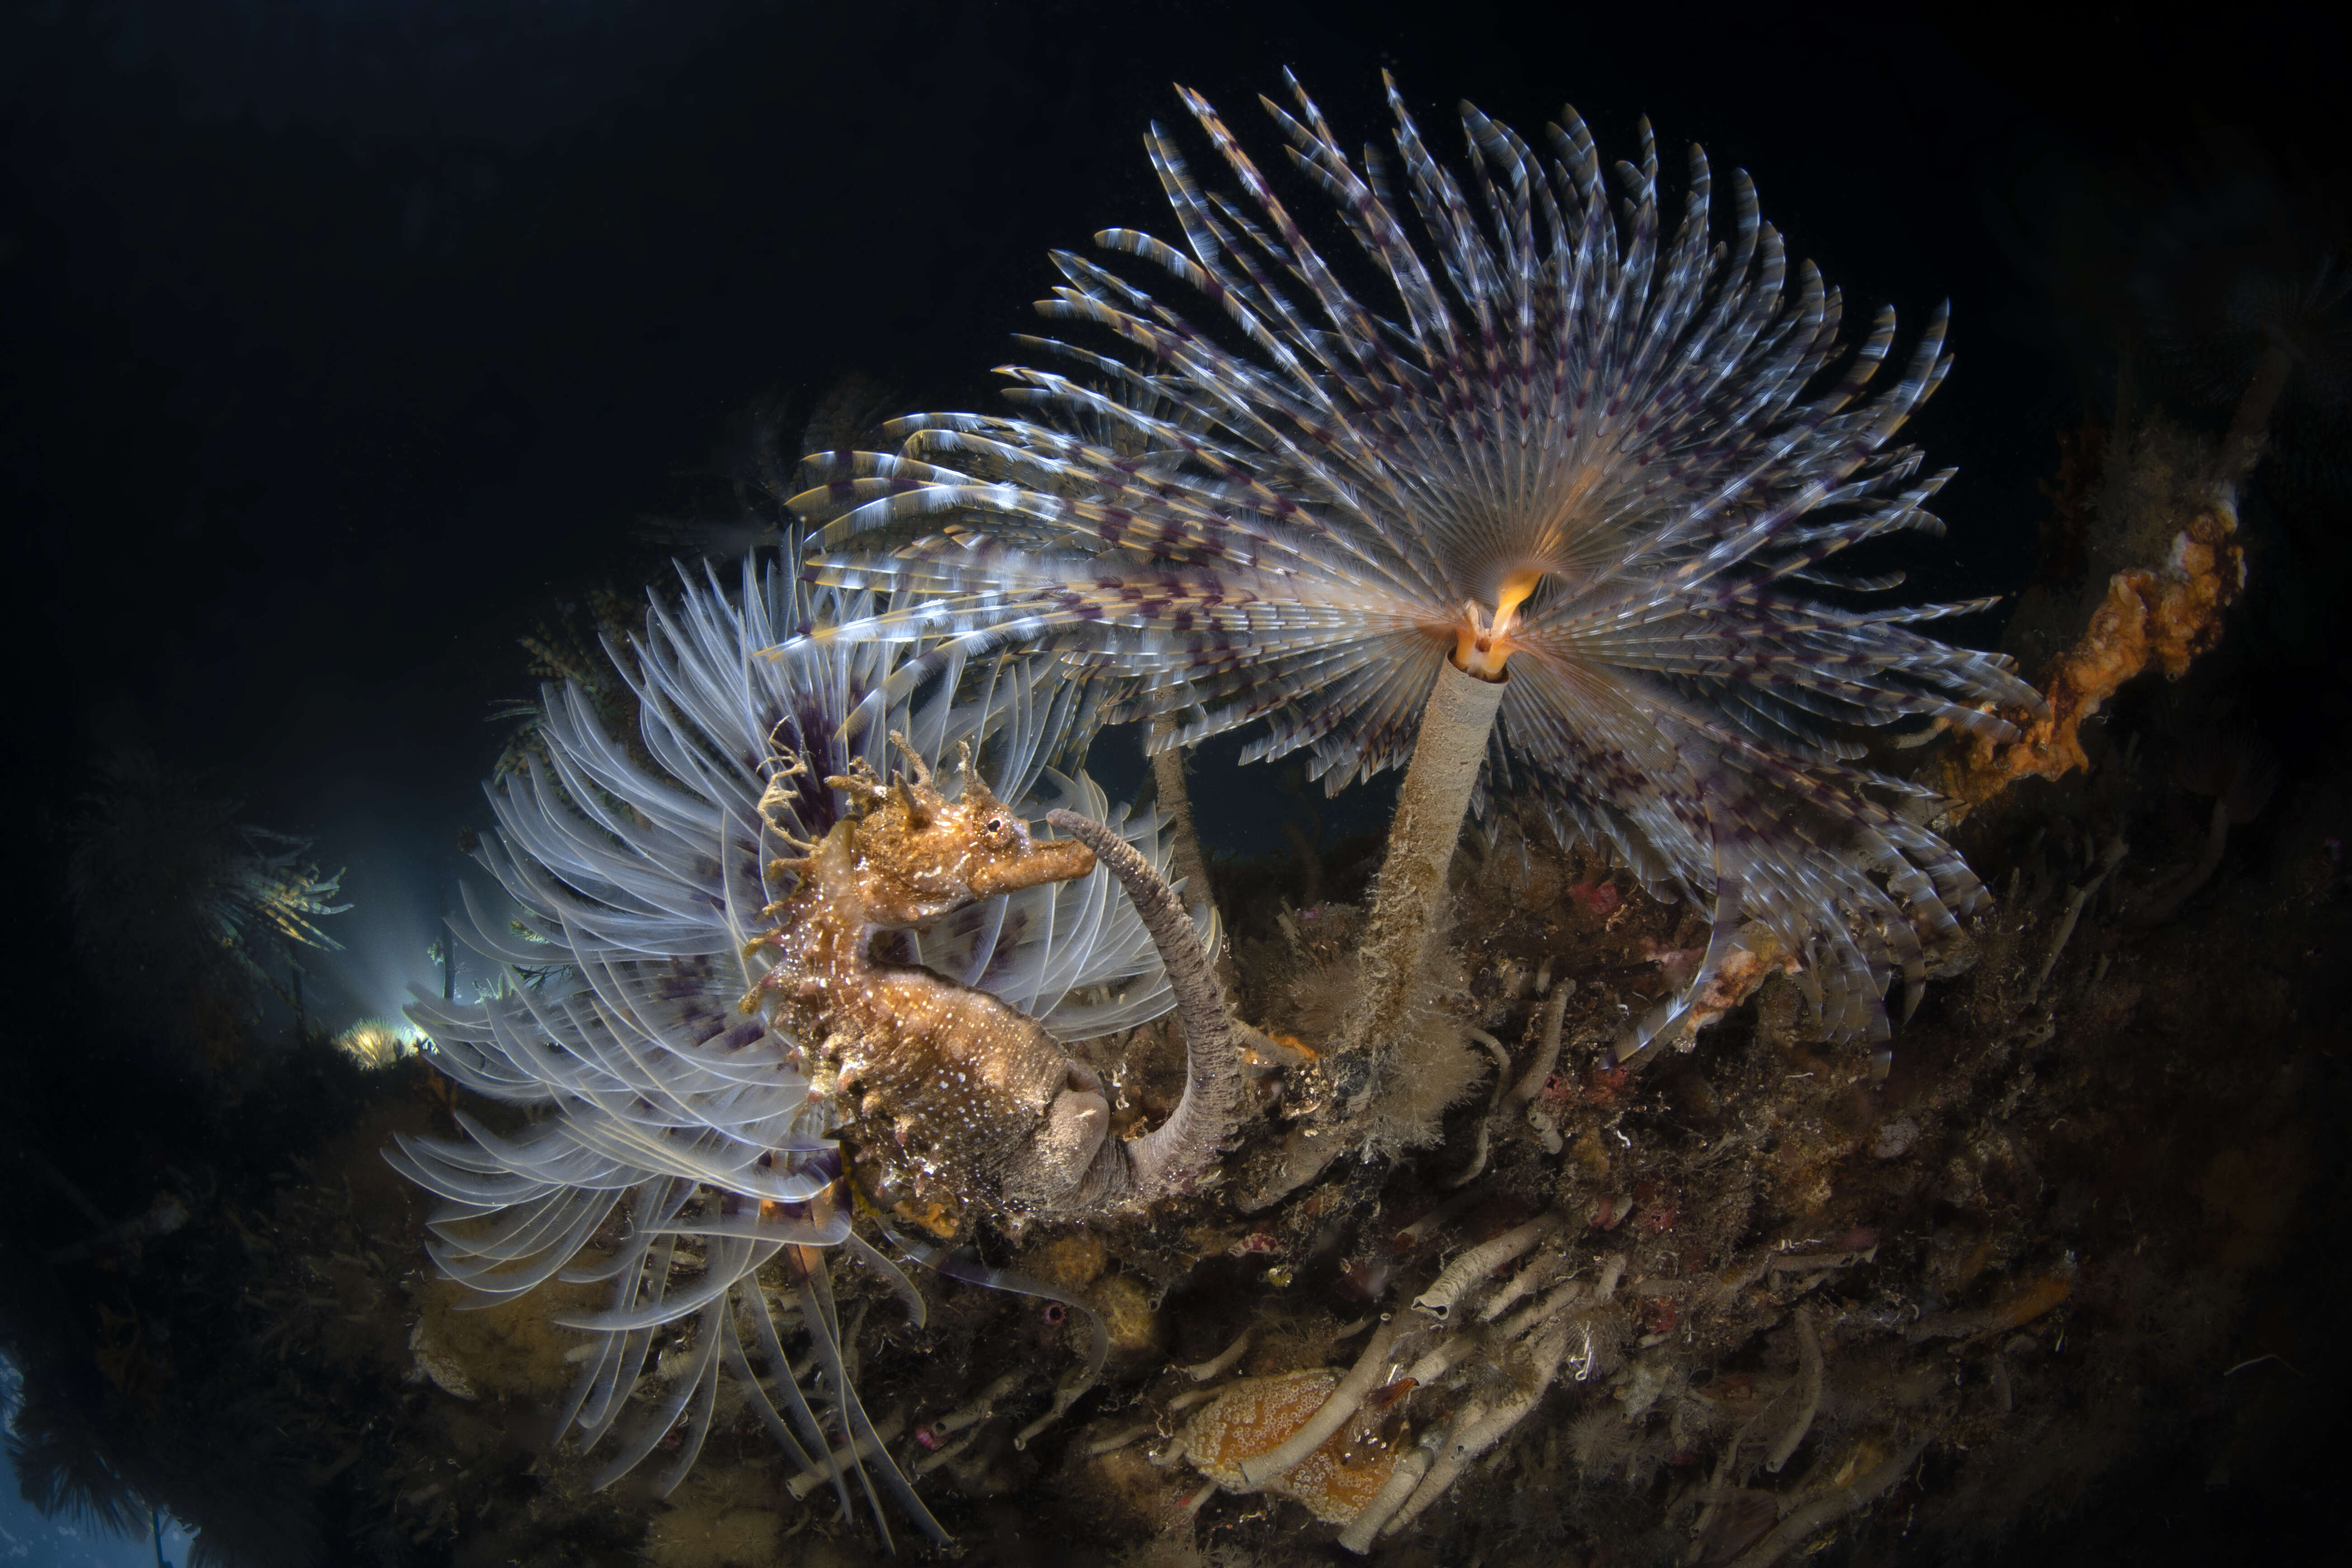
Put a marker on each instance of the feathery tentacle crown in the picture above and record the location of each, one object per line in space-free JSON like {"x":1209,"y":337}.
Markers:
{"x":653,"y":1097}
{"x":1567,"y":446}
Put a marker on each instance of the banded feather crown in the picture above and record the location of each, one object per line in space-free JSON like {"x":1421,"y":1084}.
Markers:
{"x":1557,"y":442}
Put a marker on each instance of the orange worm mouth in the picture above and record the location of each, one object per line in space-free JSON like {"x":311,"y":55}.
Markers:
{"x":1483,"y":647}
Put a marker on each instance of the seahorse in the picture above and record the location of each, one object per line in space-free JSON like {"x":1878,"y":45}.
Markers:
{"x":954,"y":1105}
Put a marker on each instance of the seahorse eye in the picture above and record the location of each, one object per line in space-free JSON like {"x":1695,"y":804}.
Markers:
{"x":996,"y":824}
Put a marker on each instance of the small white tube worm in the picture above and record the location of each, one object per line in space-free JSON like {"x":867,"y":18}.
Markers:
{"x":1468,"y":1272}
{"x":1066,"y":1394}
{"x":1718,"y":1491}
{"x":1803,"y":1523}
{"x":1470,"y":1172}
{"x":1415,"y":1233}
{"x":1361,"y":1530}
{"x":980,"y":1407}
{"x":1119,"y":1440}
{"x":1544,"y":1353}
{"x":1809,"y":1343}
{"x":1541,"y":1271}
{"x":1441,"y":1470}
{"x":929,"y":1462}
{"x":1477,"y":1429}
{"x":1546,"y":1131}
{"x":1223,"y":1362}
{"x":2108,"y":861}
{"x":1501,"y":1053}
{"x":1502,"y":1056}
{"x":1552,"y":1306}
{"x":1361,"y":1379}
{"x":1546,"y":1056}
{"x":807,"y":1481}
{"x":1440,"y":1358}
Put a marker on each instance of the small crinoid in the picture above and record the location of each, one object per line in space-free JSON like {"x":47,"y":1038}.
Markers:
{"x":1550,"y":508}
